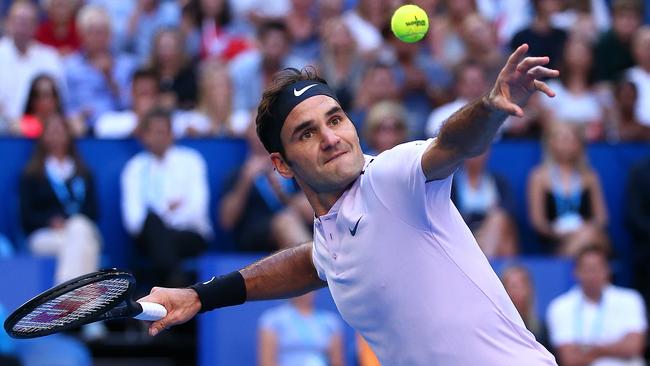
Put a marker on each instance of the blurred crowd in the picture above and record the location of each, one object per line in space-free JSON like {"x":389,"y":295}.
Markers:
{"x":160,"y":70}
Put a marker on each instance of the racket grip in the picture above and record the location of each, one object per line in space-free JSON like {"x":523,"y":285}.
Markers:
{"x":151,"y":311}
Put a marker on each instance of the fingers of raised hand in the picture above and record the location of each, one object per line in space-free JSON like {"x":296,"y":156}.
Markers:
{"x":531,"y":62}
{"x":541,"y":86}
{"x":541,"y":72}
{"x":516,"y":57}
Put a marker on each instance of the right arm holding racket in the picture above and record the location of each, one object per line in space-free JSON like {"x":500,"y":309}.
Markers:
{"x":287,"y":273}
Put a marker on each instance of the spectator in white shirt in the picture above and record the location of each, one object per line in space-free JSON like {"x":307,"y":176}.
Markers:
{"x":640,"y":74}
{"x":597,"y":323}
{"x":165,"y":199}
{"x":22,"y":58}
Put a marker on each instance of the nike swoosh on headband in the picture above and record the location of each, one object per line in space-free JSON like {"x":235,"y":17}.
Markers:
{"x":300,"y":92}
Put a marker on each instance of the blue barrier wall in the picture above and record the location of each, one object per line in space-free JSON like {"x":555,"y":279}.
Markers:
{"x":106,"y":159}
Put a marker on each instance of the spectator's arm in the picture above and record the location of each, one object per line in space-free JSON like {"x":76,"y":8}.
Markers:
{"x":336,"y":350}
{"x":573,"y":355}
{"x":234,"y":202}
{"x":536,"y":207}
{"x":598,"y":201}
{"x":630,"y":346}
{"x":134,"y":210}
{"x":268,"y":348}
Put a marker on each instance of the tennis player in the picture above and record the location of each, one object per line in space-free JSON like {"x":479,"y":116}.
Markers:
{"x":402,"y":266}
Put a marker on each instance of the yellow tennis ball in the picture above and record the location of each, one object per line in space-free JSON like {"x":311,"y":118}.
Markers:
{"x":409,"y":23}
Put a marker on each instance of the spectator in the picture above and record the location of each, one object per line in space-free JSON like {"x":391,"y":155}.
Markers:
{"x":253,"y":70}
{"x":640,"y":74}
{"x":613,"y":51}
{"x":145,"y":94}
{"x":469,"y":83}
{"x":58,"y":29}
{"x":576,"y":100}
{"x":303,"y":29}
{"x":165,"y":199}
{"x":565,"y":199}
{"x":519,"y":286}
{"x":22,"y":58}
{"x":366,"y":22}
{"x":297,"y":334}
{"x":264,"y":211}
{"x":445,"y":40}
{"x":43,"y":102}
{"x":212,"y":27}
{"x":482,"y":45}
{"x":177,"y":73}
{"x":385,"y":127}
{"x":421,"y":80}
{"x":146,"y":19}
{"x":638,"y":220}
{"x":57,"y":203}
{"x":340,"y":62}
{"x":378,"y":84}
{"x":213,"y":115}
{"x":542,"y":38}
{"x":97,"y":77}
{"x":597,"y":323}
{"x":628,"y":126}
{"x":486,"y":203}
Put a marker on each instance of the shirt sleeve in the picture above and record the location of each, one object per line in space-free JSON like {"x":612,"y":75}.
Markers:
{"x":134,"y":210}
{"x":635,"y":316}
{"x":398,"y":181}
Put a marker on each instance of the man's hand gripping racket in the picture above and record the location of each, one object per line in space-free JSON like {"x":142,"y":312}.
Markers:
{"x":92,"y":297}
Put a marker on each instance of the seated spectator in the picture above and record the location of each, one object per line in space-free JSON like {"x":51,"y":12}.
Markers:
{"x":302,"y":24}
{"x":638,"y":220}
{"x":213,"y":115}
{"x":212,"y":27}
{"x":365,"y":22}
{"x":7,"y":347}
{"x":576,"y":100}
{"x":43,"y":102}
{"x":640,"y":74}
{"x":177,"y":73}
{"x":145,"y":92}
{"x":628,"y":126}
{"x":385,"y":127}
{"x":340,"y":60}
{"x":469,"y":83}
{"x":565,"y":200}
{"x":297,"y":334}
{"x":57,"y":203}
{"x":147,"y":18}
{"x":165,"y":200}
{"x":23,"y":58}
{"x":597,"y":323}
{"x":613,"y":51}
{"x":445,"y":37}
{"x":264,"y":211}
{"x":58,"y":29}
{"x":252,"y":71}
{"x":519,"y":286}
{"x":98,"y":78}
{"x":486,"y":203}
{"x":482,"y":45}
{"x":377,"y":84}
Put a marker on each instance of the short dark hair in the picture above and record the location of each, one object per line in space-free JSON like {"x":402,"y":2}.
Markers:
{"x":273,"y":25}
{"x":635,"y":6}
{"x":591,"y":249}
{"x":265,"y":119}
{"x":155,"y":114}
{"x":146,"y":73}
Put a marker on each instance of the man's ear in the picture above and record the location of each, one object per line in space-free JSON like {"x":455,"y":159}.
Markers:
{"x":281,"y":166}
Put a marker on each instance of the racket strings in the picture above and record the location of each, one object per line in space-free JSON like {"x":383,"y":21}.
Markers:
{"x":72,"y":306}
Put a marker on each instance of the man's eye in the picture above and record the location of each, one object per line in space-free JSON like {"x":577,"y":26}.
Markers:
{"x":335,"y":120}
{"x":306,"y":135}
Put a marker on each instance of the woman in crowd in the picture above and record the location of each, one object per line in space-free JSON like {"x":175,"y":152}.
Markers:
{"x":519,"y":286}
{"x":565,"y":199}
{"x":57,"y":203}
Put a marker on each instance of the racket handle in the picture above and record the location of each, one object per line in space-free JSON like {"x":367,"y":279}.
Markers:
{"x":151,"y":311}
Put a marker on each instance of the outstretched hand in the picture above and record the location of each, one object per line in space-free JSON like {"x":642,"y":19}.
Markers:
{"x":518,"y":80}
{"x":182,"y":304}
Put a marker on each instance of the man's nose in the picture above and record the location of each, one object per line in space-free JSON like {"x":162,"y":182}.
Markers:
{"x":329,"y":138}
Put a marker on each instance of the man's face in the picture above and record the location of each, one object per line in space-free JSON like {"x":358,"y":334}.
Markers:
{"x":274,"y":46}
{"x":96,"y":36}
{"x":144,"y":95}
{"x":157,"y":137}
{"x":592,"y":272}
{"x":321,"y":146}
{"x":22,"y":22}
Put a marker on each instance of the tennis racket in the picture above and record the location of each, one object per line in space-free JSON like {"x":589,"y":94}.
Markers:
{"x":96,"y":296}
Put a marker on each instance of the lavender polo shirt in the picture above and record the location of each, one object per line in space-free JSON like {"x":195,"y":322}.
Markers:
{"x":405,"y":271}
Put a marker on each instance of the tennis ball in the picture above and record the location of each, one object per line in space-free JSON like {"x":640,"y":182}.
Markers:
{"x":409,"y":23}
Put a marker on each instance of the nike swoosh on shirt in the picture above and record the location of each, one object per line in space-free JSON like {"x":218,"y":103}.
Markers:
{"x":302,"y":91}
{"x":353,"y":231}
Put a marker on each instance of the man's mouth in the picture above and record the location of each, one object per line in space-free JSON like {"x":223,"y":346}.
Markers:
{"x":334,"y":156}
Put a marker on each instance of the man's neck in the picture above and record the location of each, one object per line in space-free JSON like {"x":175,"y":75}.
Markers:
{"x":594,"y":295}
{"x":323,"y":202}
{"x":21,"y":46}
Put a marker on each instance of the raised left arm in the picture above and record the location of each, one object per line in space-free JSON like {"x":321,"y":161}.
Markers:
{"x":470,"y":131}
